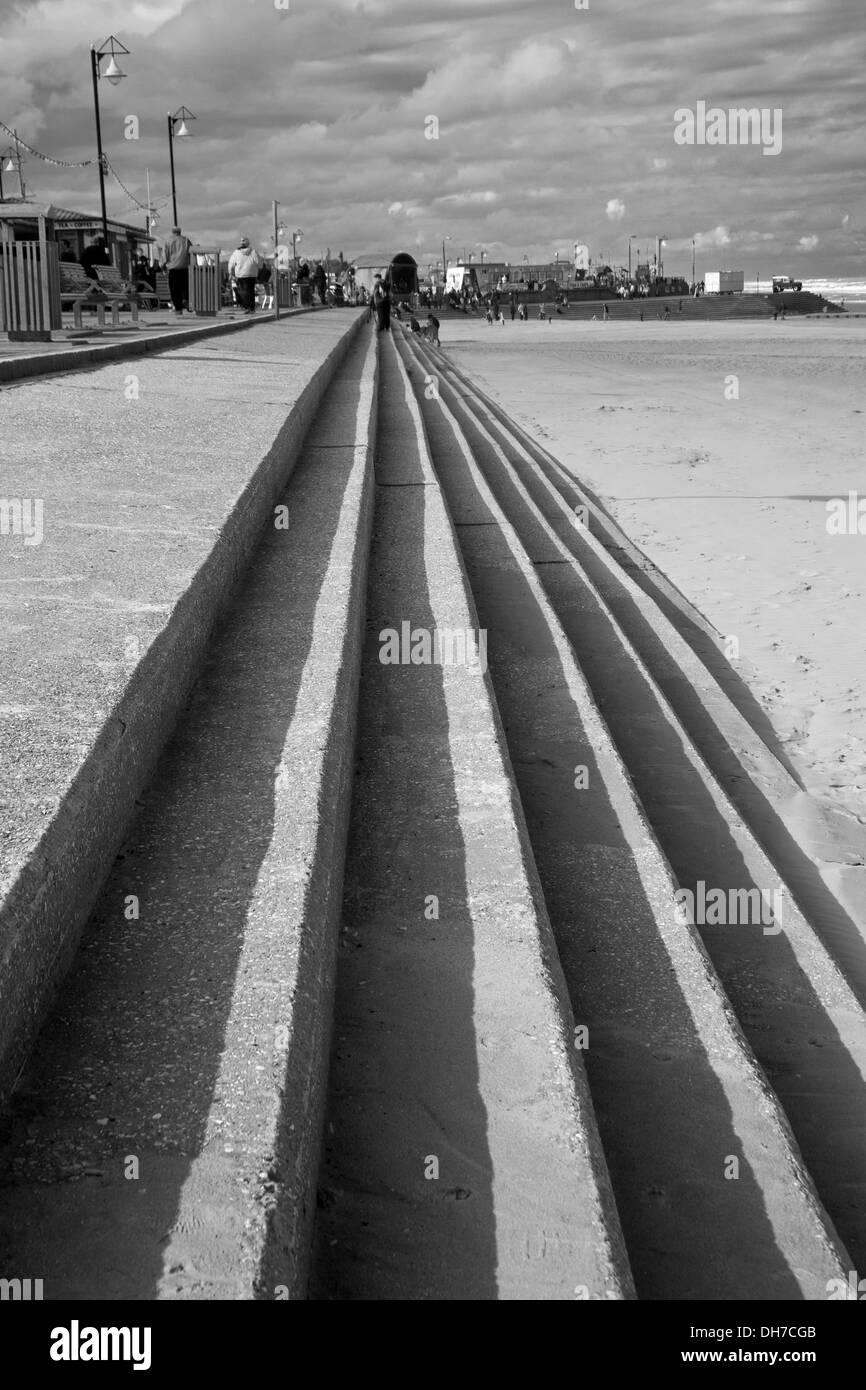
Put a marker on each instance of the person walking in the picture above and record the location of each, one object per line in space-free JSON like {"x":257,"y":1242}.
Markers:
{"x":175,"y":260}
{"x":380,"y":304}
{"x":320,"y":280}
{"x":512,"y":300}
{"x":245,"y":264}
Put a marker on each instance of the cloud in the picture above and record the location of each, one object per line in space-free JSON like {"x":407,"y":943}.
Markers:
{"x":808,"y":243}
{"x":542,"y":108}
{"x":718,"y":236}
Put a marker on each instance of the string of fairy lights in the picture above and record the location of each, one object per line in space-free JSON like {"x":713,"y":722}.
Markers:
{"x":72,"y":163}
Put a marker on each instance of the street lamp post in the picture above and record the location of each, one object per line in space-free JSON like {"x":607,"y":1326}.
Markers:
{"x":630,"y":240}
{"x":444,"y":262}
{"x":110,"y":49}
{"x":181,"y":133}
{"x":693,"y":261}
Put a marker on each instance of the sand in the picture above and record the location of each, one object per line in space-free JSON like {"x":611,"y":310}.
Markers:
{"x":727,"y":495}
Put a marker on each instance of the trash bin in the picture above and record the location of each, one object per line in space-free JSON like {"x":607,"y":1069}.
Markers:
{"x":306,"y":292}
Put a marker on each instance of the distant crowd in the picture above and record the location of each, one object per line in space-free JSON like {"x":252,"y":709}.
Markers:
{"x":245,"y":279}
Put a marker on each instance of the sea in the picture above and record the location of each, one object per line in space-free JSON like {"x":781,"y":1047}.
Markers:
{"x":852,"y":291}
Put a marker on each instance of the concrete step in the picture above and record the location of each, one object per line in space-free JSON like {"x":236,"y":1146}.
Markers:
{"x":163,"y":1140}
{"x":462,"y":1159}
{"x":477,"y":909}
{"x":801,"y":1017}
{"x":819,"y":851}
{"x":151,"y":482}
{"x":192,"y":1036}
{"x":677,"y":1090}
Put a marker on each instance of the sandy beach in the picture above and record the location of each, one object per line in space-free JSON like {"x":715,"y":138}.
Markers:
{"x":717,"y":447}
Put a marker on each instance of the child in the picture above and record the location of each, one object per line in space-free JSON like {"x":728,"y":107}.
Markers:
{"x":433,"y":329}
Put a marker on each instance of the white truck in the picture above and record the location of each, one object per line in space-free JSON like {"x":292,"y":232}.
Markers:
{"x":724,"y":281}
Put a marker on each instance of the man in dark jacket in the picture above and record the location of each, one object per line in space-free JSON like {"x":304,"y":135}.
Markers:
{"x":92,"y":255}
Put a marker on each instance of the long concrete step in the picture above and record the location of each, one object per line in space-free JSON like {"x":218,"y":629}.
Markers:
{"x":802,"y":1019}
{"x":462,"y":1159}
{"x":163,"y":1140}
{"x":682,"y":1104}
{"x":141,"y":489}
{"x":819,"y":850}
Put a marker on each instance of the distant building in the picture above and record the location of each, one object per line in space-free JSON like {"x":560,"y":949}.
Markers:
{"x":400,"y":269}
{"x":490,"y":273}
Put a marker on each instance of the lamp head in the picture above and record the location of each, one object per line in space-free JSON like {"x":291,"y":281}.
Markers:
{"x":113,"y":73}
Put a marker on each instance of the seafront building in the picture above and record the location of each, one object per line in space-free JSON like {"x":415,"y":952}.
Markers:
{"x":20,"y":218}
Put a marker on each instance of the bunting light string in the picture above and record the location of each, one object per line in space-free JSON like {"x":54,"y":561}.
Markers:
{"x":73,"y":164}
{"x":46,"y":158}
{"x":114,"y":174}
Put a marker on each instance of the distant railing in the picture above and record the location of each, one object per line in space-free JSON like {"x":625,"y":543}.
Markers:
{"x":205,"y":289}
{"x":29,"y":289}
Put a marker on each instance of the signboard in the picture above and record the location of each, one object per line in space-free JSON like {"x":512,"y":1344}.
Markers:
{"x":581,"y":256}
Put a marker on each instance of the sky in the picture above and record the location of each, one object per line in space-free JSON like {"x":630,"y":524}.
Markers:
{"x":517,"y":128}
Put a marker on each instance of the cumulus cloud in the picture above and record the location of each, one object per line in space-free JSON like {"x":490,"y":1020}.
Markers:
{"x":808,"y":243}
{"x":540,"y":108}
{"x":718,"y":236}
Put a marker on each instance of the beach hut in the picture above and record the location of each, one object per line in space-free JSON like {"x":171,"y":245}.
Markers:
{"x":401,"y":269}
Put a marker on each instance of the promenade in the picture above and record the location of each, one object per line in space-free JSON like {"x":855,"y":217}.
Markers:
{"x":331,"y":976}
{"x":134,"y":493}
{"x":156,"y":329}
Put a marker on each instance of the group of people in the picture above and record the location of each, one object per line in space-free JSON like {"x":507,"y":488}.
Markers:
{"x":316,"y":279}
{"x":247,"y":268}
{"x":380,"y":309}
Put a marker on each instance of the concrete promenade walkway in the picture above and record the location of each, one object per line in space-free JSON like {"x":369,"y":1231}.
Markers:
{"x":131,"y":495}
{"x":156,"y":329}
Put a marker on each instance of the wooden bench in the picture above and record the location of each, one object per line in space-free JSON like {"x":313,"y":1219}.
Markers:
{"x":112,"y":282}
{"x":79,"y":291}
